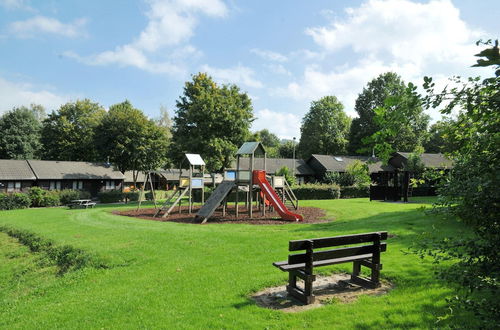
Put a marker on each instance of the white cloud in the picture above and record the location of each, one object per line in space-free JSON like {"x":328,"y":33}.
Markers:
{"x":16,"y":4}
{"x":343,"y":82}
{"x":269,"y":55}
{"x":278,"y":69}
{"x":407,"y":31}
{"x":42,"y":24}
{"x":236,"y":75}
{"x":284,"y":125}
{"x":408,"y":38}
{"x":18,"y":94}
{"x":171,"y":23}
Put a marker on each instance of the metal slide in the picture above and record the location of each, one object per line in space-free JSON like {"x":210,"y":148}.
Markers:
{"x":259,"y":177}
{"x":215,"y":200}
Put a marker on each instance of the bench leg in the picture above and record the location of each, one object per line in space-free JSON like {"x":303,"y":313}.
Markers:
{"x":305,"y":296}
{"x":371,"y":283}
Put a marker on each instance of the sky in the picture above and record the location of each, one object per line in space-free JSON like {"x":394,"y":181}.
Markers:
{"x":284,"y":54}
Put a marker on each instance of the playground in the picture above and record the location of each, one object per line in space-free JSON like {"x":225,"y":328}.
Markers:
{"x":310,"y":214}
{"x":245,"y":195}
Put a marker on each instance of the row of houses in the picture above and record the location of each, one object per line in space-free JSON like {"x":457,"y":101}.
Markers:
{"x":20,"y":175}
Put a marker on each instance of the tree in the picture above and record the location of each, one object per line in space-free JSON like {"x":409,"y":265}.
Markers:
{"x":212,"y":121}
{"x":324,"y":128}
{"x":165,"y":121}
{"x":402,"y":125}
{"x":444,"y":137}
{"x":130,"y":140}
{"x":68,"y":134}
{"x":471,"y":192}
{"x":285,"y":149}
{"x":20,"y":133}
{"x":268,"y":139}
{"x":374,"y":96}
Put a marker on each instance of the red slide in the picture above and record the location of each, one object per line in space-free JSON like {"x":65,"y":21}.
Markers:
{"x":259,"y":177}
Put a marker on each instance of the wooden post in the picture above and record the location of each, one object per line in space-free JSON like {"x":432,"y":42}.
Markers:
{"x":141,"y":195}
{"x":308,"y":270}
{"x":152,"y":188}
{"x":190,"y":189}
{"x":376,"y":260}
{"x":237,"y":184}
{"x":251,"y":185}
{"x":203,"y":184}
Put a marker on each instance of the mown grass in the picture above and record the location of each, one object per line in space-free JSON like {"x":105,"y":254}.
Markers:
{"x":173,"y":275}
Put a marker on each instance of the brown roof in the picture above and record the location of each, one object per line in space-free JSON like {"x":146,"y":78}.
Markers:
{"x":340,"y":163}
{"x":274,"y":164}
{"x":11,"y":169}
{"x":432,"y":160}
{"x":59,"y":170}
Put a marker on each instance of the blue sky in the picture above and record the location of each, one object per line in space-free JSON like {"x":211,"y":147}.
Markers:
{"x":284,"y":54}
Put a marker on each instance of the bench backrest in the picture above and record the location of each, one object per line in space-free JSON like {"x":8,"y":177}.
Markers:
{"x":327,"y":242}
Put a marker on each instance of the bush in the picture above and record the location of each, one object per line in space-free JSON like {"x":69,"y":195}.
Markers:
{"x":131,"y":196}
{"x":14,"y":201}
{"x":36,"y":195}
{"x":67,"y":195}
{"x":354,"y":192}
{"x":43,"y":198}
{"x":51,"y":198}
{"x":317,"y":191}
{"x":337,"y":178}
{"x":287,"y":173}
{"x":112,"y":196}
{"x":159,"y":194}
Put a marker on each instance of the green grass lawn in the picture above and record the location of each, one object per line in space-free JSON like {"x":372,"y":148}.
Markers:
{"x":173,"y":275}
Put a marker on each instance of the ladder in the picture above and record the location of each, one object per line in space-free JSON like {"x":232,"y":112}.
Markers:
{"x":171,"y":202}
{"x":287,"y":196}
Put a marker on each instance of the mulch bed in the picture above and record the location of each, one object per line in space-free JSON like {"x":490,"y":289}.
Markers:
{"x":310,"y":214}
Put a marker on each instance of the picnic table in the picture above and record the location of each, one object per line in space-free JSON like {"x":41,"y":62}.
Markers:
{"x":81,"y":204}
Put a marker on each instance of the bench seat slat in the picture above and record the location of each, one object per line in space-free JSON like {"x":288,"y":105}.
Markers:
{"x":335,"y":253}
{"x":298,"y":245}
{"x":285,"y":266}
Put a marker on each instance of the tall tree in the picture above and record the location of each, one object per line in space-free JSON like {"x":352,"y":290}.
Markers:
{"x":68,"y":134}
{"x":20,"y":133}
{"x":130,"y":140}
{"x":372,"y":97}
{"x":165,"y":121}
{"x":285,"y":149}
{"x":471,"y":192}
{"x":324,"y":128}
{"x":444,"y":137}
{"x":211,"y":120}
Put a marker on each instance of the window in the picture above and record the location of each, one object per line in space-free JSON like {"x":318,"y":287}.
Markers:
{"x":110,"y":184}
{"x":55,"y":185}
{"x":77,"y":185}
{"x":13,"y":186}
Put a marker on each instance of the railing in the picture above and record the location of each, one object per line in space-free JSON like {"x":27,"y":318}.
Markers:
{"x":291,"y":196}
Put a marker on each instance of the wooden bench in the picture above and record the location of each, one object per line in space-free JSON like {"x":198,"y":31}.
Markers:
{"x":302,"y":264}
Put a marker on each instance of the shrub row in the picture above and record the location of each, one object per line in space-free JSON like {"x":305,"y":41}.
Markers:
{"x":14,"y":201}
{"x":66,"y":257}
{"x":317,"y":191}
{"x":354,"y":192}
{"x":38,"y":197}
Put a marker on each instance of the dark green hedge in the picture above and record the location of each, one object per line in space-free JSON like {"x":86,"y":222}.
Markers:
{"x":112,"y":196}
{"x":354,"y":192}
{"x":14,"y":201}
{"x":317,"y":191}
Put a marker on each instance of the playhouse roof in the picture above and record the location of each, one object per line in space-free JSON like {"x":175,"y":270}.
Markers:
{"x":195,"y":159}
{"x":249,"y":148}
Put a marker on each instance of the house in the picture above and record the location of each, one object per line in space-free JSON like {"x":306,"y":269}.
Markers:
{"x":20,"y":175}
{"x":321,"y":164}
{"x":15,"y":176}
{"x":438,"y":161}
{"x":303,"y":172}
{"x":92,"y":177}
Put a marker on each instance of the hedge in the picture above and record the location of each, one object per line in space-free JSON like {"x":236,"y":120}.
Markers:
{"x":112,"y":196}
{"x":317,"y":191}
{"x":14,"y":201}
{"x":354,"y":192}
